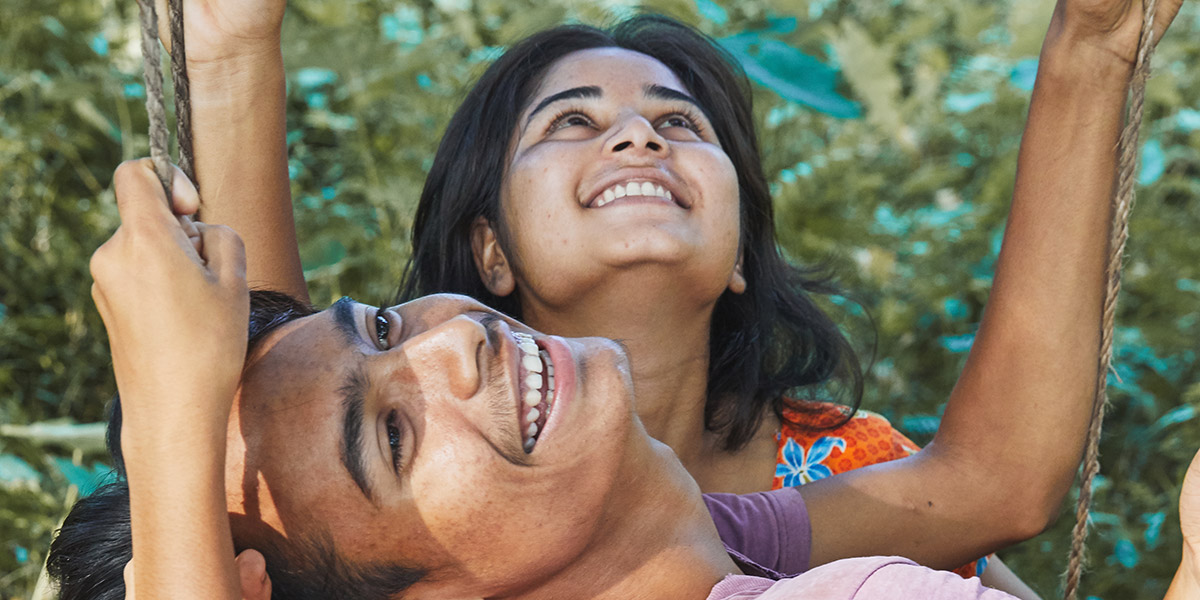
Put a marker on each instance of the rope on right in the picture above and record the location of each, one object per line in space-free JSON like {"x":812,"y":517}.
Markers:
{"x":1127,"y":154}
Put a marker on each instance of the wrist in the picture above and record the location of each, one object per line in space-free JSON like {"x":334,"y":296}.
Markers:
{"x":238,"y":67}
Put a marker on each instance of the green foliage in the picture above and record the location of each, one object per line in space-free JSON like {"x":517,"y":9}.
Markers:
{"x":906,"y":203}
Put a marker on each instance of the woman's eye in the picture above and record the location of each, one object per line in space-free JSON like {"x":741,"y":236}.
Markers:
{"x":383,"y":329}
{"x":573,"y":119}
{"x":678,"y":121}
{"x":394,"y":439}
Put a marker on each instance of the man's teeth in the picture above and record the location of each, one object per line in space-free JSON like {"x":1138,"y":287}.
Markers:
{"x":538,"y":369}
{"x":633,"y":188}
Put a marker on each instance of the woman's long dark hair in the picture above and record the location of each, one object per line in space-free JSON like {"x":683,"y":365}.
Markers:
{"x":763,"y":343}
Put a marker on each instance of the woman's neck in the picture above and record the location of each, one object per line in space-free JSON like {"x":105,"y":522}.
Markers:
{"x":666,"y":332}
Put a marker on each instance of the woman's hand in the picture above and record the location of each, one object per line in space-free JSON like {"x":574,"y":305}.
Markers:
{"x":1113,"y":26}
{"x":215,"y":30}
{"x":175,"y":307}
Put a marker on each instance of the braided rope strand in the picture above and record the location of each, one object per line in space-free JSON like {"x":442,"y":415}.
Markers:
{"x":183,"y":96}
{"x":152,"y":73}
{"x":1127,"y":150}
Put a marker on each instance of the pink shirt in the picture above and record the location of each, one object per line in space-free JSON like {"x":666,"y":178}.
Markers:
{"x":870,"y":578}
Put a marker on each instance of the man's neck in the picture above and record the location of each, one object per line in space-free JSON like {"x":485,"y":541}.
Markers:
{"x":659,"y":542}
{"x":666,"y":333}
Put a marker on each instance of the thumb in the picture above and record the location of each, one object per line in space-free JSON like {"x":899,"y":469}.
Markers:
{"x":139,"y":193}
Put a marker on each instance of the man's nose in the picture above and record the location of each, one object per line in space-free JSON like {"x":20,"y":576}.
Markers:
{"x":635,"y":135}
{"x":452,"y":355}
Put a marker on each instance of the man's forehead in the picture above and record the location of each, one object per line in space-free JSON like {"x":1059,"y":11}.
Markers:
{"x":297,"y":353}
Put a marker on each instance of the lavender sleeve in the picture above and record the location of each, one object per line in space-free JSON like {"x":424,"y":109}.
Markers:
{"x":769,"y":528}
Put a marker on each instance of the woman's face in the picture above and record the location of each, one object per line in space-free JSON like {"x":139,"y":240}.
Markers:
{"x":613,"y":166}
{"x":403,"y":434}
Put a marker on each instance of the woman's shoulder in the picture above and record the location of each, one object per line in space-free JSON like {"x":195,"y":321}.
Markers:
{"x":816,"y":440}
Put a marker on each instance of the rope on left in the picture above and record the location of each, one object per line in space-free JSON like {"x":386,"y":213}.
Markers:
{"x":152,"y":73}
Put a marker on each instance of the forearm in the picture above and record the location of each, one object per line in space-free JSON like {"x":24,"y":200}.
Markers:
{"x":1020,"y":410}
{"x":1013,"y":430}
{"x":182,"y":544}
{"x":239,"y":134}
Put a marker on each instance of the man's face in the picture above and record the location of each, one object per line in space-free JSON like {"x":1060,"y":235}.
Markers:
{"x":403,"y":434}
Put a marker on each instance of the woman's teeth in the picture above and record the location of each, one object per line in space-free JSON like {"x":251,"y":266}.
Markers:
{"x":537,"y":370}
{"x":633,"y":188}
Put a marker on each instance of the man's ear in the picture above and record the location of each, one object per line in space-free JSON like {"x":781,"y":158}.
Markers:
{"x":737,"y":281}
{"x":490,"y":260}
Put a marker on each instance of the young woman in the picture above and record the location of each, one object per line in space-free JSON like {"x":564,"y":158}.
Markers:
{"x":683,"y":268}
{"x":411,"y":421}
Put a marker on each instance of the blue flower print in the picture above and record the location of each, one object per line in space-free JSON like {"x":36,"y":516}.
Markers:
{"x":798,"y":469}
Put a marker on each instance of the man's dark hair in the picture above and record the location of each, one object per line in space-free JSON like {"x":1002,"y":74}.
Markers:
{"x":89,"y":553}
{"x":764,"y":343}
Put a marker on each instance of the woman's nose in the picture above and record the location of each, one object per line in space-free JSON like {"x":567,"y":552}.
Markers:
{"x":635,"y":135}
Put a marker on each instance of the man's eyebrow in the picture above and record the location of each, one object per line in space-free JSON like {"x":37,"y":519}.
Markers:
{"x":587,"y":91}
{"x":344,"y":318}
{"x":659,"y":92}
{"x":354,"y":394}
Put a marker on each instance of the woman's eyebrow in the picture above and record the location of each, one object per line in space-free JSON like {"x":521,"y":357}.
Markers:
{"x":659,"y":92}
{"x":587,"y":91}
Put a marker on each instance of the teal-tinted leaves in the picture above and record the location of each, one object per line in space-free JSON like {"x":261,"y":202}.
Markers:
{"x":1154,"y":162}
{"x":965,"y":103}
{"x":310,"y":78}
{"x":1023,"y":74}
{"x":794,"y":75}
{"x":16,"y":472}
{"x":1125,"y":554}
{"x":1154,"y":523}
{"x":712,"y":12}
{"x":87,"y":480}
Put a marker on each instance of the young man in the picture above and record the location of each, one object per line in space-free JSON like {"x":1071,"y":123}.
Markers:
{"x":395,"y":446}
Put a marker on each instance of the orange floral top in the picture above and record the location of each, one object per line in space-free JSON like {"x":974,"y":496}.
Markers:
{"x":808,"y":454}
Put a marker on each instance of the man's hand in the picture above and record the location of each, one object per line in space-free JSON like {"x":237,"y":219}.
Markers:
{"x":215,"y":30}
{"x":252,"y":575}
{"x":175,"y":307}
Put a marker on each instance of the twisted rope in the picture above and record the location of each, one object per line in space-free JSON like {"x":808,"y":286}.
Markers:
{"x":152,"y":74}
{"x":1127,"y":150}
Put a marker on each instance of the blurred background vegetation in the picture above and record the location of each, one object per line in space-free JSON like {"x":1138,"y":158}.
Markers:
{"x":890,"y":131}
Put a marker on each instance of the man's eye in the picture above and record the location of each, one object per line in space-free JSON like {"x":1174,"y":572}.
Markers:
{"x":394,"y":439}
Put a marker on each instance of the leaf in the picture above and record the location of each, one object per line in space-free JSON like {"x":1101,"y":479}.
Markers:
{"x":794,"y":75}
{"x":1154,"y":162}
{"x":869,"y":67}
{"x":957,"y":343}
{"x":965,"y":103}
{"x":712,"y":11}
{"x":87,"y":480}
{"x":85,"y":437}
{"x":15,"y":472}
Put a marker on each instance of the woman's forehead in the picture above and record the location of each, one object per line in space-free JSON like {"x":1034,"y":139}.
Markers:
{"x":595,"y":64}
